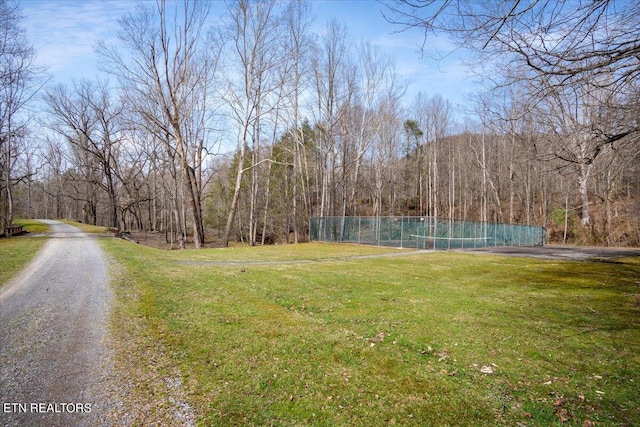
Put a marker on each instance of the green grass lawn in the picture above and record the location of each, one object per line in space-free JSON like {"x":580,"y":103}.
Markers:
{"x":32,"y":225}
{"x":17,"y":251}
{"x":403,"y":340}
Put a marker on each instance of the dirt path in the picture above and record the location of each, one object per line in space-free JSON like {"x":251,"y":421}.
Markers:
{"x":53,"y":358}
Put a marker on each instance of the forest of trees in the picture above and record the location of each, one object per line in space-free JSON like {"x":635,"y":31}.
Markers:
{"x":242,"y":130}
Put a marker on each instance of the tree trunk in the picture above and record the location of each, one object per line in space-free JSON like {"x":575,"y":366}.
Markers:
{"x":583,"y":180}
{"x":236,"y":197}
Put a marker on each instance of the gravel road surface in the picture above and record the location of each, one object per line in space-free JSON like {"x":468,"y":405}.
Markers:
{"x":53,"y":357}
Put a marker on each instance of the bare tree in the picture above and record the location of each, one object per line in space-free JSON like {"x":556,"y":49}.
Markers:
{"x":565,"y":40}
{"x":434,"y":117}
{"x":166,"y":70}
{"x":252,"y":90}
{"x":570,"y":119}
{"x":19,"y":82}
{"x":330,"y":62}
{"x":300,"y":44}
{"x":90,"y":122}
{"x":385,"y":154}
{"x":545,"y":43}
{"x":378,"y":89}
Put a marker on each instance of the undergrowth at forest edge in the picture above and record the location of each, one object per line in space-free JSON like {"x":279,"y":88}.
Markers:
{"x":424,"y":339}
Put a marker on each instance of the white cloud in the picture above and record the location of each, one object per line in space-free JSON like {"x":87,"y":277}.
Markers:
{"x":63,"y":33}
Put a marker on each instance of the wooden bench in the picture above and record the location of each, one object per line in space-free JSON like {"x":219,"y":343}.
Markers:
{"x":13,"y":230}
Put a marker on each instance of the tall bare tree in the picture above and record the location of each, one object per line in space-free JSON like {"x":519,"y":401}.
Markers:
{"x":252,"y":91}
{"x":19,"y":82}
{"x":385,"y":154}
{"x":90,"y":122}
{"x":378,"y":89}
{"x":331,"y":91}
{"x":434,"y":119}
{"x":300,"y":44}
{"x":164,"y":69}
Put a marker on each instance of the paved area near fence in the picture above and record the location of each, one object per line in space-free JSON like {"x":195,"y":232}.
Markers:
{"x":575,"y":253}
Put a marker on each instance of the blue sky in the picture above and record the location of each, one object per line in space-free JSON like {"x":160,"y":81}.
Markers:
{"x":63,"y":33}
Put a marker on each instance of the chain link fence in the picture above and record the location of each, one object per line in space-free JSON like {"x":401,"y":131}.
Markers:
{"x":422,"y":232}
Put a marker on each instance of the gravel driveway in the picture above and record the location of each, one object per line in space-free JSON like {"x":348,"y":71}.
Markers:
{"x":53,"y":358}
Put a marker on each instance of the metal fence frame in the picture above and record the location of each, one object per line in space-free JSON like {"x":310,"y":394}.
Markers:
{"x":422,"y":232}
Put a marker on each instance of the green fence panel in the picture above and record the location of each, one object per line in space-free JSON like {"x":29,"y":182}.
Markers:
{"x":422,"y":232}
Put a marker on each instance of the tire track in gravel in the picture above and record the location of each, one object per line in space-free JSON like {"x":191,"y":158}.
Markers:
{"x":54,"y":361}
